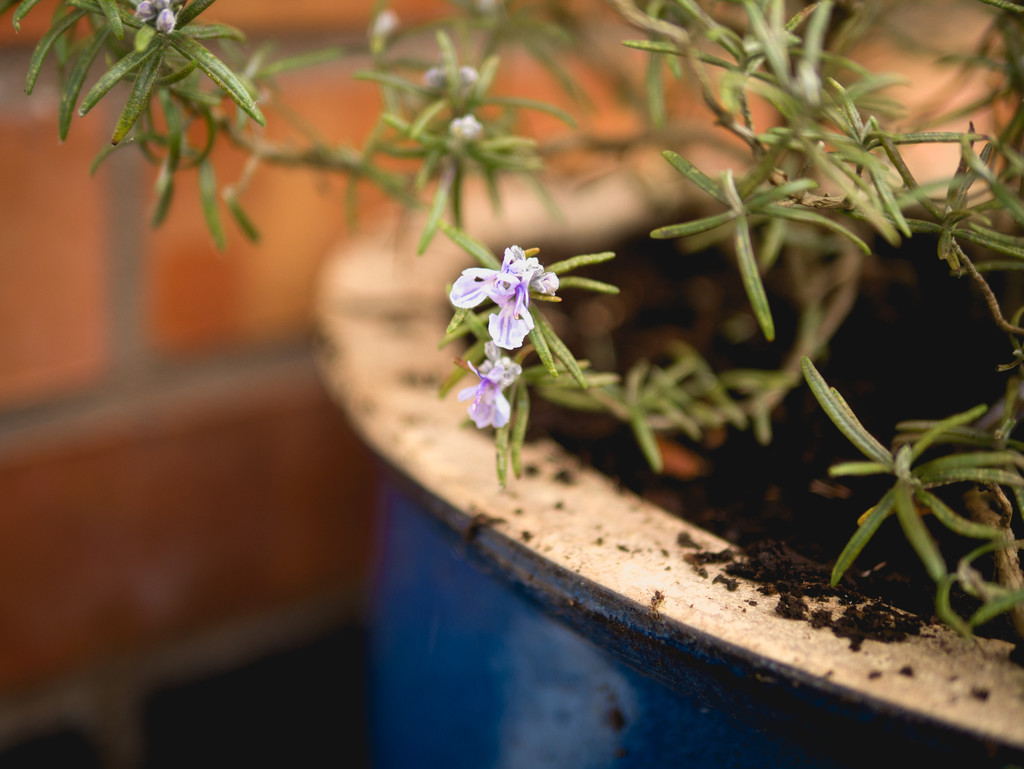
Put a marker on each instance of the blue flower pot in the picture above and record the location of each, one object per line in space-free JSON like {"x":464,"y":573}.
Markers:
{"x":483,"y":655}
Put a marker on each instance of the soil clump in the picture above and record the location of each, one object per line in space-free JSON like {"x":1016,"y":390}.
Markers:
{"x":777,"y":503}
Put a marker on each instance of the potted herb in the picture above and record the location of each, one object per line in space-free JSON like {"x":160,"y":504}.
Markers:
{"x":816,"y":327}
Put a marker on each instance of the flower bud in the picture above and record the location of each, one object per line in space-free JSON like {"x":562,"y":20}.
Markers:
{"x":466,"y":128}
{"x":165,"y":21}
{"x":145,"y":11}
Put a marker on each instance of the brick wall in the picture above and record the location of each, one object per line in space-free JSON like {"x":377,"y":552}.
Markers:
{"x":168,"y":458}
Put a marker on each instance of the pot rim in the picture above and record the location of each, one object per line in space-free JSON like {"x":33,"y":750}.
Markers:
{"x":604,"y":554}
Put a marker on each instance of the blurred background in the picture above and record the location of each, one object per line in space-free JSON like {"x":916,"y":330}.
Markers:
{"x":185,"y":516}
{"x":184,"y":513}
{"x":185,"y":528}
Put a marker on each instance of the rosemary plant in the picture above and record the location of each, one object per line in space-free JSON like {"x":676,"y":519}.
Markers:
{"x":822,"y":163}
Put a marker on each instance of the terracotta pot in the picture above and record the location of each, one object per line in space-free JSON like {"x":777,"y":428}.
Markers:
{"x":556,"y":622}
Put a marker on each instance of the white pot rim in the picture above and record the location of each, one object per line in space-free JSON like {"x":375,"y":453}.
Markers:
{"x":382,"y":311}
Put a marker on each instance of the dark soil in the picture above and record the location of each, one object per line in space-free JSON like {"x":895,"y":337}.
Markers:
{"x":777,"y":504}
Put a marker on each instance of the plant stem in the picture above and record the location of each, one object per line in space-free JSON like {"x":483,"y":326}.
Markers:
{"x":839,"y":287}
{"x":681,"y":38}
{"x":1006,"y":559}
{"x":990,"y":297}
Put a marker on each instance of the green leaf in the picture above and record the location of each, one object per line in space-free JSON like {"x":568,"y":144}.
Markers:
{"x":848,"y":110}
{"x":242,"y":219}
{"x":587,"y":284}
{"x":933,"y":433}
{"x":219,"y":73}
{"x":192,"y":10}
{"x":747,"y":262}
{"x":477,"y":250}
{"x":815,"y":36}
{"x":582,"y":260}
{"x":889,"y":204}
{"x":501,"y":437}
{"x":75,"y":79}
{"x":944,"y":609}
{"x":645,"y":439}
{"x":486,"y":73}
{"x":766,"y":167}
{"x":916,"y":532}
{"x":434,"y":217}
{"x":973,"y":475}
{"x":164,"y":188}
{"x":138,"y":99}
{"x":22,"y":12}
{"x":543,"y":350}
{"x":143,"y":37}
{"x":385,"y":78}
{"x":997,"y":241}
{"x":843,"y":417}
{"x":695,"y":175}
{"x":772,"y":43}
{"x":993,"y":607}
{"x":176,"y":77}
{"x":105,"y":152}
{"x":559,"y":349}
{"x":175,"y":138}
{"x":807,"y":216}
{"x":212,"y":32}
{"x":907,"y":175}
{"x":972,"y":460}
{"x":774,"y":194}
{"x":655,"y":90}
{"x":540,"y":106}
{"x":519,"y":425}
{"x":865,"y":531}
{"x":859,"y":468}
{"x":46,"y":42}
{"x":427,"y":114}
{"x":116,"y":74}
{"x":457,"y":318}
{"x":208,"y":199}
{"x":1005,"y":5}
{"x":113,"y":16}
{"x":653,"y":46}
{"x":752,"y":279}
{"x":301,"y":61}
{"x":1013,"y":204}
{"x":685,"y":229}
{"x":955,"y":523}
{"x":449,"y":56}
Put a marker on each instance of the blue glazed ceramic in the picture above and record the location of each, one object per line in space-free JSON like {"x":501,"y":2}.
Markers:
{"x":471,"y":668}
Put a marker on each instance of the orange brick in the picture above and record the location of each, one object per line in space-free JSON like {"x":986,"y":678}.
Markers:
{"x":271,"y":16}
{"x":32,"y":26}
{"x":257,"y":17}
{"x":164,"y":521}
{"x":201,"y":299}
{"x":53,"y":273}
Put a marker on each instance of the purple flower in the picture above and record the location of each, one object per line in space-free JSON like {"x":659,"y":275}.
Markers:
{"x":437,"y":78}
{"x":165,"y":21}
{"x":489,"y":407}
{"x":161,"y":12}
{"x":509,"y":288}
